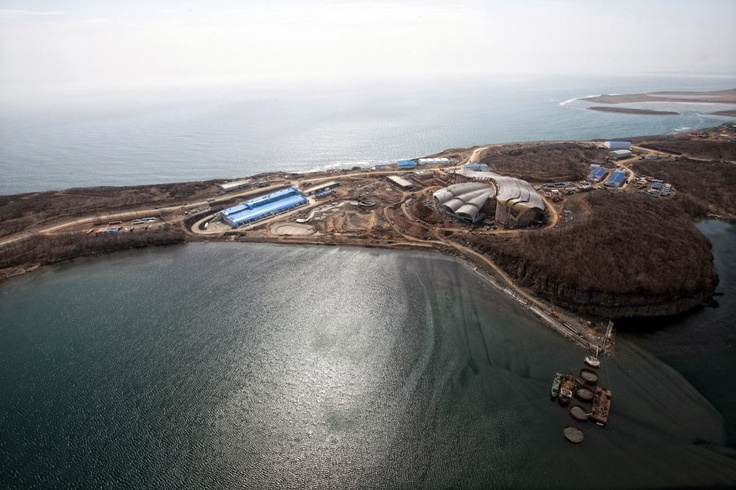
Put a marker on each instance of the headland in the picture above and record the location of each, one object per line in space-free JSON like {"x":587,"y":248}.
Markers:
{"x":611,"y":237}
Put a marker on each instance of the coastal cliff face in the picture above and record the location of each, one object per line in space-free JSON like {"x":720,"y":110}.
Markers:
{"x":609,"y":304}
{"x":627,"y":255}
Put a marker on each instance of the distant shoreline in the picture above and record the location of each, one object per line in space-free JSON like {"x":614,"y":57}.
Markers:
{"x":713,"y":97}
{"x":629,"y":110}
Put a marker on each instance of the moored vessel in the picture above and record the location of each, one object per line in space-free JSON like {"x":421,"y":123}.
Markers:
{"x":578,"y":413}
{"x":589,"y":376}
{"x":592,"y":361}
{"x":601,"y":406}
{"x":555,"y":390}
{"x":573,"y":434}
{"x":584,"y":394}
{"x":566,"y":387}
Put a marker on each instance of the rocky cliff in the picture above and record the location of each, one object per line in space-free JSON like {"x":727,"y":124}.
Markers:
{"x":621,"y":304}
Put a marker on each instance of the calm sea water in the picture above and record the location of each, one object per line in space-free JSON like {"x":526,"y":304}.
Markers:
{"x":265,"y":366}
{"x":224,"y":132}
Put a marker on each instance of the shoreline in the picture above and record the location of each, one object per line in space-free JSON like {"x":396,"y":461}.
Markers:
{"x":704,"y":97}
{"x":629,"y":110}
{"x":393,"y":224}
{"x":719,"y":96}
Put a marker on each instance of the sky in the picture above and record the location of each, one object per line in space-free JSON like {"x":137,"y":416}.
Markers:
{"x":75,"y":45}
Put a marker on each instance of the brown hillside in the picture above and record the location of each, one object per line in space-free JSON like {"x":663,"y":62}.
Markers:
{"x":543,"y":161}
{"x":635,"y":256}
{"x":710,"y":186}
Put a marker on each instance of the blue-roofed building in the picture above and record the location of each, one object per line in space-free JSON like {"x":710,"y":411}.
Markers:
{"x":596,"y":174}
{"x":263,"y":207}
{"x":617,"y":178}
{"x":406,"y":164}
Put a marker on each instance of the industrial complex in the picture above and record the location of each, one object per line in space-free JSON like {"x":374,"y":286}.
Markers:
{"x":479,"y":194}
{"x":452,"y":204}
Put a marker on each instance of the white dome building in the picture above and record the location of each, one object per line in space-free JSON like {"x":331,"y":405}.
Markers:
{"x":512,"y":202}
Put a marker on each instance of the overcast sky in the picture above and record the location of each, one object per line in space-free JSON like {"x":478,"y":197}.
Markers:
{"x":87,"y":45}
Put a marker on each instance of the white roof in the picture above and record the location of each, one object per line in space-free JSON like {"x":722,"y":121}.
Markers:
{"x":235,"y":184}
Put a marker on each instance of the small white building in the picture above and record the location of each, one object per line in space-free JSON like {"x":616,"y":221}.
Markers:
{"x":424,"y":174}
{"x":320,"y":188}
{"x":236,"y":184}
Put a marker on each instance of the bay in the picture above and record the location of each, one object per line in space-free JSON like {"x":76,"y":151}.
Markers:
{"x":264,"y":366}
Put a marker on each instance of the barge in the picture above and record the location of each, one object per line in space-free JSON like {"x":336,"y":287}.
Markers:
{"x":601,"y":406}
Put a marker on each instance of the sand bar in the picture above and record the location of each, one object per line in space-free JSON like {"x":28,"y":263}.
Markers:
{"x":629,"y":110}
{"x":719,"y":96}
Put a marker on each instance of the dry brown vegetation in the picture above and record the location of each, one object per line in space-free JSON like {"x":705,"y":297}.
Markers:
{"x":631,"y":245}
{"x":19,"y":212}
{"x":49,"y":249}
{"x":543,"y":161}
{"x":698,"y":148}
{"x":703,"y":187}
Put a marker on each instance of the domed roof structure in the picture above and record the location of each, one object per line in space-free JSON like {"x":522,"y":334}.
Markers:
{"x":516,"y":202}
{"x":464,"y":200}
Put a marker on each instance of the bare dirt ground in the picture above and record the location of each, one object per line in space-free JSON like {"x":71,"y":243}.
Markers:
{"x":288,"y":229}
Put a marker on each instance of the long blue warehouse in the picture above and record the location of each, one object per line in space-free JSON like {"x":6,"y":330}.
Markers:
{"x":406,"y":164}
{"x":264,"y":206}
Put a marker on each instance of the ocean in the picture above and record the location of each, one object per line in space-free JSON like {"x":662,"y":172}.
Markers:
{"x":265,"y":366}
{"x":227,"y":132}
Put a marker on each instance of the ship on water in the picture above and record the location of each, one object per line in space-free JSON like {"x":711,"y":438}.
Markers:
{"x":601,"y":406}
{"x":555,"y":390}
{"x":566,"y":387}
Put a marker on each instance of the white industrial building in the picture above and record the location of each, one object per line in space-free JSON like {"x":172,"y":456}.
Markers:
{"x":619,"y":154}
{"x":618,"y":145}
{"x":235,"y":184}
{"x":320,"y":188}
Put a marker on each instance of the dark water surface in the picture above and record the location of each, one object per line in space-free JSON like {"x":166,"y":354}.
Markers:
{"x":263,"y":366}
{"x":701,"y":345}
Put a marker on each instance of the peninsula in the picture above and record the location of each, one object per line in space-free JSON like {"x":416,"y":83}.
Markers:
{"x":588,"y":250}
{"x":629,"y":110}
{"x":712,"y":97}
